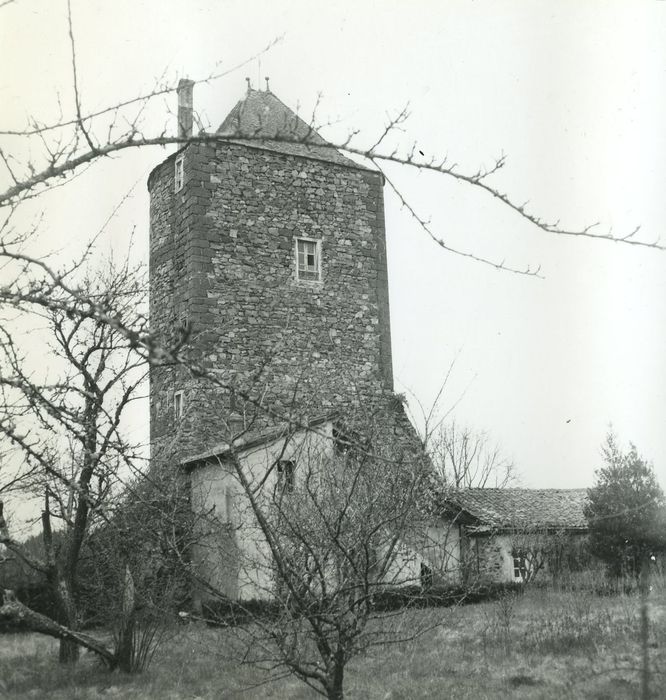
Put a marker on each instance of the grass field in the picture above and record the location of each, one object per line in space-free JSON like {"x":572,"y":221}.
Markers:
{"x":539,"y":645}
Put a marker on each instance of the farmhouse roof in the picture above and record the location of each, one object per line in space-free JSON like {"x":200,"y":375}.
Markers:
{"x":502,"y":509}
{"x":261,"y":115}
{"x":281,"y":431}
{"x":254,"y":439}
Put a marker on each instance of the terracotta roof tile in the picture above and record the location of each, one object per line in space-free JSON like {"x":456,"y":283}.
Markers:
{"x":252,"y":439}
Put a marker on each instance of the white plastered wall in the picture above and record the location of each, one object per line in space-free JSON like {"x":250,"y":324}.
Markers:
{"x":231,"y":554}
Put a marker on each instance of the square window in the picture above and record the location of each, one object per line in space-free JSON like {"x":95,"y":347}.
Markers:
{"x":308,"y":260}
{"x":179,"y":174}
{"x":178,"y":404}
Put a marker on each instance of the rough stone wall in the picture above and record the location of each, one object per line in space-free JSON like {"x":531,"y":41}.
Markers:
{"x":223,"y":260}
{"x":483,"y":560}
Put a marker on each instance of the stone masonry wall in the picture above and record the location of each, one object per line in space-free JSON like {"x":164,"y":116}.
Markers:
{"x":223,"y":260}
{"x":483,"y":560}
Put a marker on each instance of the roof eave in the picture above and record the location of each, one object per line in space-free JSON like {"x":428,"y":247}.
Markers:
{"x":221,"y":451}
{"x":526,"y":529}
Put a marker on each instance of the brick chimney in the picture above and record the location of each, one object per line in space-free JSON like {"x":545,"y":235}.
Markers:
{"x":185,"y":90}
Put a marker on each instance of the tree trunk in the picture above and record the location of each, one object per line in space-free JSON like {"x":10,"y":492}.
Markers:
{"x":68,"y":652}
{"x":334,"y":689}
{"x":16,"y":612}
{"x":125,"y":647}
{"x":67,"y":570}
{"x":67,"y":616}
{"x":645,"y":657}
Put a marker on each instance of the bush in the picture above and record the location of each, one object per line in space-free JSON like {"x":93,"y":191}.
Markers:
{"x":230,"y":612}
{"x":38,"y":597}
{"x":441,"y":596}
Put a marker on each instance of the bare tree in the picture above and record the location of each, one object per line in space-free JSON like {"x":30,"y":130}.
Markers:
{"x":320,"y":530}
{"x":465,"y":458}
{"x":555,"y":551}
{"x":135,"y":575}
{"x":462,"y":457}
{"x":81,"y":408}
{"x":531,"y":551}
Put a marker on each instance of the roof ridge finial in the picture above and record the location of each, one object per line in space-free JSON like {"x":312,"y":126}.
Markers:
{"x":268,"y":89}
{"x":249,"y":84}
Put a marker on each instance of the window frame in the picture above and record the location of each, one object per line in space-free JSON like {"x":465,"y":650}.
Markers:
{"x":426,"y":576}
{"x":346,"y":444}
{"x":178,"y":404}
{"x":318,"y":248}
{"x":179,"y":173}
{"x":228,"y":504}
{"x":519,"y":567}
{"x":286,"y":478}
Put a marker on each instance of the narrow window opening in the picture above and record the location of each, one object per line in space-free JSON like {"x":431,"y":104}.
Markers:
{"x":228,"y":504}
{"x":519,"y":567}
{"x":178,"y":404}
{"x":179,"y":173}
{"x":426,"y":576}
{"x":184,"y":328}
{"x":285,"y":474}
{"x":345,"y":443}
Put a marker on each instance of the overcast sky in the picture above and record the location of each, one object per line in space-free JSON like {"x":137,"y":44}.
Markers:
{"x":573,"y":93}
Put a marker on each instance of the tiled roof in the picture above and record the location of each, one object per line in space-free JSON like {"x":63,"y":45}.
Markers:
{"x":523,"y":508}
{"x":255,"y":438}
{"x":261,"y":115}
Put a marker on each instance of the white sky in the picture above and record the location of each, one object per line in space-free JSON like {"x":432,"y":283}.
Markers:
{"x":573,"y":93}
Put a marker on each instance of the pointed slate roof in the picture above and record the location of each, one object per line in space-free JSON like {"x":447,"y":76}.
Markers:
{"x":261,"y":115}
{"x":523,"y":508}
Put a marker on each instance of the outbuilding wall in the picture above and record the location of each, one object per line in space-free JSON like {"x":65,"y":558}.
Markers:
{"x":230,"y":555}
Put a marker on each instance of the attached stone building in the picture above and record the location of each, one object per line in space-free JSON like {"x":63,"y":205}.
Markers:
{"x":500,"y":535}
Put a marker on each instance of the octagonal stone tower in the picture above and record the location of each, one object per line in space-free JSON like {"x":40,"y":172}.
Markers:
{"x":268,"y":253}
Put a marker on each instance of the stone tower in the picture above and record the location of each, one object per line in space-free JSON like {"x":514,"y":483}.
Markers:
{"x":268,"y":253}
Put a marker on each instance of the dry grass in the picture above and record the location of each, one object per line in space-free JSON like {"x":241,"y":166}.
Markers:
{"x":539,"y":645}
